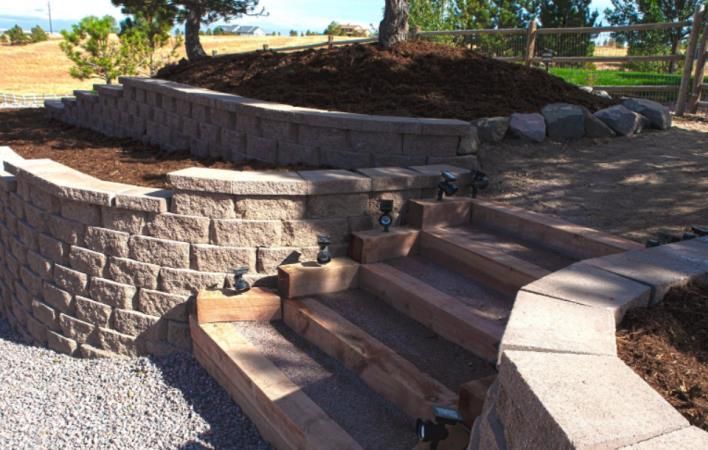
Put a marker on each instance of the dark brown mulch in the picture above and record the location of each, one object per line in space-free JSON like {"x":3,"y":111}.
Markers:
{"x":667,"y":345}
{"x":415,"y":79}
{"x":32,"y":135}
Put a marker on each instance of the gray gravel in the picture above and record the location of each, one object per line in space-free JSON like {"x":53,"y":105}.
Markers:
{"x":48,"y":400}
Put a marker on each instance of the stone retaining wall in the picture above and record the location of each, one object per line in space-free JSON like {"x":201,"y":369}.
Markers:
{"x":90,"y":267}
{"x":206,"y":123}
{"x":561,"y":384}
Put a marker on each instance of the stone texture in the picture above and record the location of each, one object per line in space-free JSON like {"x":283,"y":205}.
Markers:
{"x":117,"y":342}
{"x":685,"y":439}
{"x":579,"y":401}
{"x":564,"y":121}
{"x":238,"y":183}
{"x":70,"y":280}
{"x":91,"y":352}
{"x":247,"y":233}
{"x":492,"y":129}
{"x":183,"y":281}
{"x":156,"y":303}
{"x":395,"y":178}
{"x":596,"y":128}
{"x":128,"y":271}
{"x":133,"y":323}
{"x":59,"y":343}
{"x":67,"y":230}
{"x":541,"y":323}
{"x":45,"y":314}
{"x":622,"y":120}
{"x":587,"y":285}
{"x":81,"y":212}
{"x":37,"y":330}
{"x":270,"y":208}
{"x":109,"y":242}
{"x":212,"y":258}
{"x":659,"y":115}
{"x":111,"y":293}
{"x":57,"y":298}
{"x":269,"y":259}
{"x":124,"y":220}
{"x":335,"y":206}
{"x":144,"y":199}
{"x":215,"y":206}
{"x":87,"y":261}
{"x":324,"y":182}
{"x":39,"y":265}
{"x":303,"y":233}
{"x":177,"y":227}
{"x":53,"y":249}
{"x":528,"y":126}
{"x":93,"y":312}
{"x":159,"y":251}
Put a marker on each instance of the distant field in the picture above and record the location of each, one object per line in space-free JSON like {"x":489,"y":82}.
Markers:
{"x":43,"y":69}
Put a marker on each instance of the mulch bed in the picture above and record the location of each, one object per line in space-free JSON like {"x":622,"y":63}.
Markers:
{"x":417,"y":79}
{"x":32,"y":135}
{"x":667,"y":345}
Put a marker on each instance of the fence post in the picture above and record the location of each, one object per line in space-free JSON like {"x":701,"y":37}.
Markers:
{"x":330,"y":41}
{"x":530,"y":42}
{"x":699,"y":77}
{"x":688,"y":65}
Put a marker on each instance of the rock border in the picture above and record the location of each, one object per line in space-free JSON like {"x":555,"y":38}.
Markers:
{"x":561,"y":384}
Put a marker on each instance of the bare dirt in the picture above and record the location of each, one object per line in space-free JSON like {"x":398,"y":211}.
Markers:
{"x":419,"y":79}
{"x":632,"y":187}
{"x":31,"y":134}
{"x":667,"y":345}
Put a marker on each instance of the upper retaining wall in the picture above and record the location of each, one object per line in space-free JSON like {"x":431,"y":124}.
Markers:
{"x":206,"y":123}
{"x":88,"y":266}
{"x":561,"y":384}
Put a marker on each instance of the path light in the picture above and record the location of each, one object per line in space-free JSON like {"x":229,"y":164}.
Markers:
{"x":447,"y":186}
{"x":386,"y":207}
{"x":434,"y":432}
{"x":324,"y":256}
{"x":480,"y":182}
{"x":547,"y":58}
{"x":241,"y":285}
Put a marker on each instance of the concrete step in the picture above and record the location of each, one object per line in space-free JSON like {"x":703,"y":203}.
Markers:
{"x":298,"y":397}
{"x":400,"y":380}
{"x":444,"y":314}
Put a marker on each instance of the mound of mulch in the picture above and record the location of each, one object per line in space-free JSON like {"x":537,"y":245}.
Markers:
{"x":32,"y":135}
{"x":417,"y":79}
{"x":667,"y":345}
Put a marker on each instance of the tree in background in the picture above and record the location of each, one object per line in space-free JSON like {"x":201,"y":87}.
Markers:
{"x":564,"y":14}
{"x":431,"y":15}
{"x":394,"y":26}
{"x":3,"y":39}
{"x":95,"y":52}
{"x":659,"y":42}
{"x":17,"y":36}
{"x":294,"y":33}
{"x":149,"y":40}
{"x":333,"y":29}
{"x":37,"y":34}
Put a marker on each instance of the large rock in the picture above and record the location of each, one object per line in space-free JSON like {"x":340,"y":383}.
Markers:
{"x":564,"y":121}
{"x":492,"y":129}
{"x":528,"y":126}
{"x":622,"y":120}
{"x":658,"y":114}
{"x":596,"y":128}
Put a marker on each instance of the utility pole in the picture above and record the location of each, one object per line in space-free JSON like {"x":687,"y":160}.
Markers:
{"x":49,"y":10}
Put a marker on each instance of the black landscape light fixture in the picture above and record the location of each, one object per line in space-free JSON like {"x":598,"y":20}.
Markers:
{"x":241,"y":285}
{"x":436,"y":431}
{"x":480,"y":182}
{"x":547,"y":58}
{"x":324,"y":256}
{"x":447,"y":186}
{"x":386,"y":207}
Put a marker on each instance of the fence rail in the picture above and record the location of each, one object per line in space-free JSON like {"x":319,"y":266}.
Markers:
{"x":26,"y":100}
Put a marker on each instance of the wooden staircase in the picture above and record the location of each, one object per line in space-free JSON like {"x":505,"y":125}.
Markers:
{"x":349,"y":354}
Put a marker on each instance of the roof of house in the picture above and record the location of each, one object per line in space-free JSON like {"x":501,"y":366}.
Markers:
{"x":246,"y":29}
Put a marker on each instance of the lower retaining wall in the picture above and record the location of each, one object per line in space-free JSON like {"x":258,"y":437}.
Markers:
{"x":89,"y":267}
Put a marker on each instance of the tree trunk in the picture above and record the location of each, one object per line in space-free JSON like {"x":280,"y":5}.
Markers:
{"x":394,"y":26}
{"x":675,"y":40}
{"x":192,"y":43}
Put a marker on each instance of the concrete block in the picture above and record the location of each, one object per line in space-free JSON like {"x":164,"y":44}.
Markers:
{"x":81,"y":212}
{"x":144,"y":199}
{"x":110,"y":293}
{"x":685,"y":439}
{"x":587,"y":285}
{"x":117,"y":342}
{"x":133,"y":323}
{"x":184,"y":281}
{"x":159,"y":251}
{"x":156,"y":303}
{"x":376,"y":142}
{"x":59,"y":343}
{"x":342,"y":205}
{"x":39,"y":265}
{"x":124,"y":220}
{"x":109,"y":242}
{"x":86,"y":261}
{"x":36,"y":217}
{"x":37,"y":330}
{"x":279,"y":130}
{"x":31,"y":280}
{"x":90,"y":352}
{"x":345,"y":160}
{"x":290,"y":153}
{"x":271,"y":208}
{"x":324,"y":182}
{"x":417,"y":145}
{"x":330,"y":138}
{"x":247,"y":233}
{"x":395,"y":178}
{"x":128,"y":271}
{"x":67,"y":230}
{"x":45,"y":314}
{"x":193,"y":229}
{"x":58,"y":299}
{"x":269,"y":259}
{"x":261,"y":149}
{"x":70,"y":280}
{"x":238,"y":183}
{"x":93,"y":312}
{"x":303,"y":233}
{"x":214,"y":206}
{"x":212,"y":258}
{"x":27,"y":235}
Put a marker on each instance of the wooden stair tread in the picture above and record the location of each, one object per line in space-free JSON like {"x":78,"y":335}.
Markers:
{"x":442,"y":313}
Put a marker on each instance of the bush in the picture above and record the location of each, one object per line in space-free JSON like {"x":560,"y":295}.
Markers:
{"x":37,"y":34}
{"x":17,"y":36}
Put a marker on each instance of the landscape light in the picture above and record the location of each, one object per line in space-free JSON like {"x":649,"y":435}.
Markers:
{"x":241,"y":285}
{"x":480,"y":182}
{"x":386,"y":207}
{"x":324,"y":256}
{"x":436,"y":431}
{"x":447,"y":187}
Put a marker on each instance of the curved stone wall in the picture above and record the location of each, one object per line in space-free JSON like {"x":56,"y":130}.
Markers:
{"x":206,"y":123}
{"x":90,"y":267}
{"x":561,"y":384}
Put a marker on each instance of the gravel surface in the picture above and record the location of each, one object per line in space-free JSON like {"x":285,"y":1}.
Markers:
{"x":48,"y":400}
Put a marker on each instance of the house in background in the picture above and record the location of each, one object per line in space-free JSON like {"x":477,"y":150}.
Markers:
{"x":349,"y":29}
{"x":243,"y":30}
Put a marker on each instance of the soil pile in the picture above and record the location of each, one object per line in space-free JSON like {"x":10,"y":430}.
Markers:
{"x":416,"y":79}
{"x":667,"y":345}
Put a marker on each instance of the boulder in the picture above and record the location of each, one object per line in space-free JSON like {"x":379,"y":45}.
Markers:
{"x":622,"y":120}
{"x":564,"y":121}
{"x":603,"y":94}
{"x":596,"y":128}
{"x":528,"y":126}
{"x":469,"y":143}
{"x":658,"y":114}
{"x":587,"y":89}
{"x":492,"y":129}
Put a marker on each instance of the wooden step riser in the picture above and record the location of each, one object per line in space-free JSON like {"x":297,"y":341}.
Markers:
{"x":382,"y":369}
{"x":436,"y":310}
{"x":502,"y":271}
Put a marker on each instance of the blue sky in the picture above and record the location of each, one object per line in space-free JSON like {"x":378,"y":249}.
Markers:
{"x":283,"y":14}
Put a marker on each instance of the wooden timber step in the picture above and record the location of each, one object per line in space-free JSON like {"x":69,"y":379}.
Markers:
{"x":396,"y":356}
{"x":298,"y":397}
{"x":442,"y":313}
{"x":498,"y":257}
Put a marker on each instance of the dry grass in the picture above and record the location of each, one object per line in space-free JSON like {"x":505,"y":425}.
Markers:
{"x":43,"y":69}
{"x":609,"y":51}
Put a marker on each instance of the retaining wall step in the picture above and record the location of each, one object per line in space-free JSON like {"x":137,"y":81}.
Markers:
{"x":442,"y":313}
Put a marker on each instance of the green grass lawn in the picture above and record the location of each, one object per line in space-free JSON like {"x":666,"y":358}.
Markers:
{"x":586,"y":77}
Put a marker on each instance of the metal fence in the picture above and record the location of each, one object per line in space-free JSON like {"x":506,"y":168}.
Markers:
{"x":26,"y":100}
{"x":632,"y":60}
